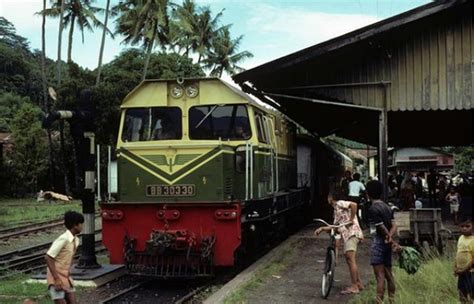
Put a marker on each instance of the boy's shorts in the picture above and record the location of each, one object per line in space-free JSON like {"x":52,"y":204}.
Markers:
{"x":466,"y":283}
{"x":351,"y":244}
{"x":58,"y":294}
{"x":454,"y":208}
{"x":380,"y":253}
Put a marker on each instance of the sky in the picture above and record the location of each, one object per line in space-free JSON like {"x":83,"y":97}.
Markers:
{"x":271,"y":28}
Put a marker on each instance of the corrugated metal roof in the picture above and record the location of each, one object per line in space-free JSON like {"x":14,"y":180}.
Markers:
{"x":417,"y":62}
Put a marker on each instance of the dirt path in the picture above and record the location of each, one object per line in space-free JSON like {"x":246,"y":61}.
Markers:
{"x":301,"y":280}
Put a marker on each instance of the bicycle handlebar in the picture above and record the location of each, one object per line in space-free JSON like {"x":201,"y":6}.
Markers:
{"x":330,"y":225}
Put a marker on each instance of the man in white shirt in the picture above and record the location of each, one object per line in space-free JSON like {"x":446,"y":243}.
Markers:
{"x":356,"y":188}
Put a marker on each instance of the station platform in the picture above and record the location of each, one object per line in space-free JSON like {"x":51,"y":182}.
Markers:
{"x":301,"y":260}
{"x":89,"y":277}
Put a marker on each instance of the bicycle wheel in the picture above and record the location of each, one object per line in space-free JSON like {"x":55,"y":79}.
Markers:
{"x":328,"y":275}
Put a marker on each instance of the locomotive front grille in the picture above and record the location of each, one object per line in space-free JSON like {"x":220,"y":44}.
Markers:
{"x":170,"y":266}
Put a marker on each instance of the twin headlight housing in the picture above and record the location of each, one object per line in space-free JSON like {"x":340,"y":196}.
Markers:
{"x":191,"y":91}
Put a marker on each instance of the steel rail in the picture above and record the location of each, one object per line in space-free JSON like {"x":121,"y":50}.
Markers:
{"x":124,"y":292}
{"x":6,"y":234}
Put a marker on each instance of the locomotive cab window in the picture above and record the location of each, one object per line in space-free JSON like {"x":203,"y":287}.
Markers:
{"x":148,"y":124}
{"x":225,"y":122}
{"x":261,"y":131}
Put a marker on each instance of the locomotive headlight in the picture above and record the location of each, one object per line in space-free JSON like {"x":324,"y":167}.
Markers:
{"x":177,"y":91}
{"x":192,"y":91}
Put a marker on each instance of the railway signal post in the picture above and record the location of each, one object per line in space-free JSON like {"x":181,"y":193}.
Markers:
{"x":81,"y":121}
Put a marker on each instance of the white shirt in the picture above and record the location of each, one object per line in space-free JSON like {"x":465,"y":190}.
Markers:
{"x":355,"y":187}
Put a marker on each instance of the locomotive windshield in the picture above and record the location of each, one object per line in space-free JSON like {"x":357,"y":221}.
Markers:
{"x":157,"y":123}
{"x":219,"y":121}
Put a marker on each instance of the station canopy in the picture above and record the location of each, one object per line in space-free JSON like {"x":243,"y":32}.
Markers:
{"x":417,"y":66}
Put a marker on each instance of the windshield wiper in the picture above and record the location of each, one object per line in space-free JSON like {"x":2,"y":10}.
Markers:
{"x":207,"y":115}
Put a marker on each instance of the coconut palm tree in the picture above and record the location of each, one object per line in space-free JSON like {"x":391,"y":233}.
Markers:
{"x":205,"y":29}
{"x":60,"y":35}
{"x":144,"y":22}
{"x":80,"y":13}
{"x":224,"y":54}
{"x":46,"y":103}
{"x":102,"y":43}
{"x":61,"y":124}
{"x":183,"y":26}
{"x":43,"y":59}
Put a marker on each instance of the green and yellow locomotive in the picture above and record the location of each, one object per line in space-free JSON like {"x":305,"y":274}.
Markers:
{"x":205,"y":175}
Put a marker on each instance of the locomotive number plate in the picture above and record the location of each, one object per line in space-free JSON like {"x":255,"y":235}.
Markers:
{"x":174,"y":190}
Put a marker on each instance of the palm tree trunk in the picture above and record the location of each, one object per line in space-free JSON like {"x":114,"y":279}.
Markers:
{"x":61,"y":125}
{"x":102,"y":44}
{"x":46,"y":105}
{"x":199,"y":58}
{"x":148,"y":52}
{"x":60,"y":35}
{"x":43,"y":60}
{"x":71,"y":33}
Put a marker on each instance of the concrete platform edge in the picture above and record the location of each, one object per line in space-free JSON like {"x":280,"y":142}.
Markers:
{"x":230,"y":287}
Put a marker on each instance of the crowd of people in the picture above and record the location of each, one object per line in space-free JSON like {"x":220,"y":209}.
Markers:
{"x":416,"y":190}
{"x":406,"y":191}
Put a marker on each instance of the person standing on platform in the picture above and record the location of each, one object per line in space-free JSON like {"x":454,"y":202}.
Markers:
{"x":463,"y":266}
{"x":382,"y":227}
{"x":352,"y":235}
{"x":345,"y":183}
{"x":432,"y":180}
{"x":454,"y":200}
{"x":59,"y":259}
{"x":356,"y":188}
{"x":408,"y":192}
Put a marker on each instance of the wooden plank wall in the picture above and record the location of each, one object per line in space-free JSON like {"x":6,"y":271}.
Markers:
{"x":429,"y":63}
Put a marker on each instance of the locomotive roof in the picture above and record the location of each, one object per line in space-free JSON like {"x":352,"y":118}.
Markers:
{"x":128,"y":100}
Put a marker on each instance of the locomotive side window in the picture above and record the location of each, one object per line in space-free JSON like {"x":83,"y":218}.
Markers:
{"x":227,"y":122}
{"x":147,"y":124}
{"x":261,"y":132}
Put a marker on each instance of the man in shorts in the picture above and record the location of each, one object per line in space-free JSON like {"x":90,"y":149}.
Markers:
{"x":59,"y":259}
{"x":383,"y":227}
{"x":345,"y":212}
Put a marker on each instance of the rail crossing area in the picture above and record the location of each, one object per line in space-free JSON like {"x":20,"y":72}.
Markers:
{"x":214,"y":194}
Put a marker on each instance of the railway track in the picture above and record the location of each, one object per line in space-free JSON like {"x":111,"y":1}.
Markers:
{"x":8,"y":233}
{"x":30,"y":259}
{"x":156,"y":291}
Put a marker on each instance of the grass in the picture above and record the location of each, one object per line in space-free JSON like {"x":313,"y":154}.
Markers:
{"x":15,"y":290}
{"x":16,"y":212}
{"x":433,"y":283}
{"x":276,"y":266}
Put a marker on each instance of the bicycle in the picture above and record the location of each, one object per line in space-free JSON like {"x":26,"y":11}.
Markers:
{"x":330,"y":260}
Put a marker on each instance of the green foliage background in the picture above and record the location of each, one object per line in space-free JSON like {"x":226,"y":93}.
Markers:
{"x":24,"y":167}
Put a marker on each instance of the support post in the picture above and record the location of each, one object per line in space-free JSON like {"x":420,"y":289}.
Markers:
{"x":109,"y":173}
{"x":88,"y":259}
{"x":382,"y":152}
{"x":98,"y":174}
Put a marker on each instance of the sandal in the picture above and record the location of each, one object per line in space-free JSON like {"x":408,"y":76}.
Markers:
{"x":349,"y":290}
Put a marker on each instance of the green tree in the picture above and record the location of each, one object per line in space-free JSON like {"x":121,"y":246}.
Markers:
{"x":9,"y":106}
{"x":463,"y":158}
{"x":224,"y":54}
{"x":144,"y":22}
{"x":28,"y":156}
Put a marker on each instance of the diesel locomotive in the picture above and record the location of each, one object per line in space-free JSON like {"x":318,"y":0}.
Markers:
{"x":207,"y":175}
